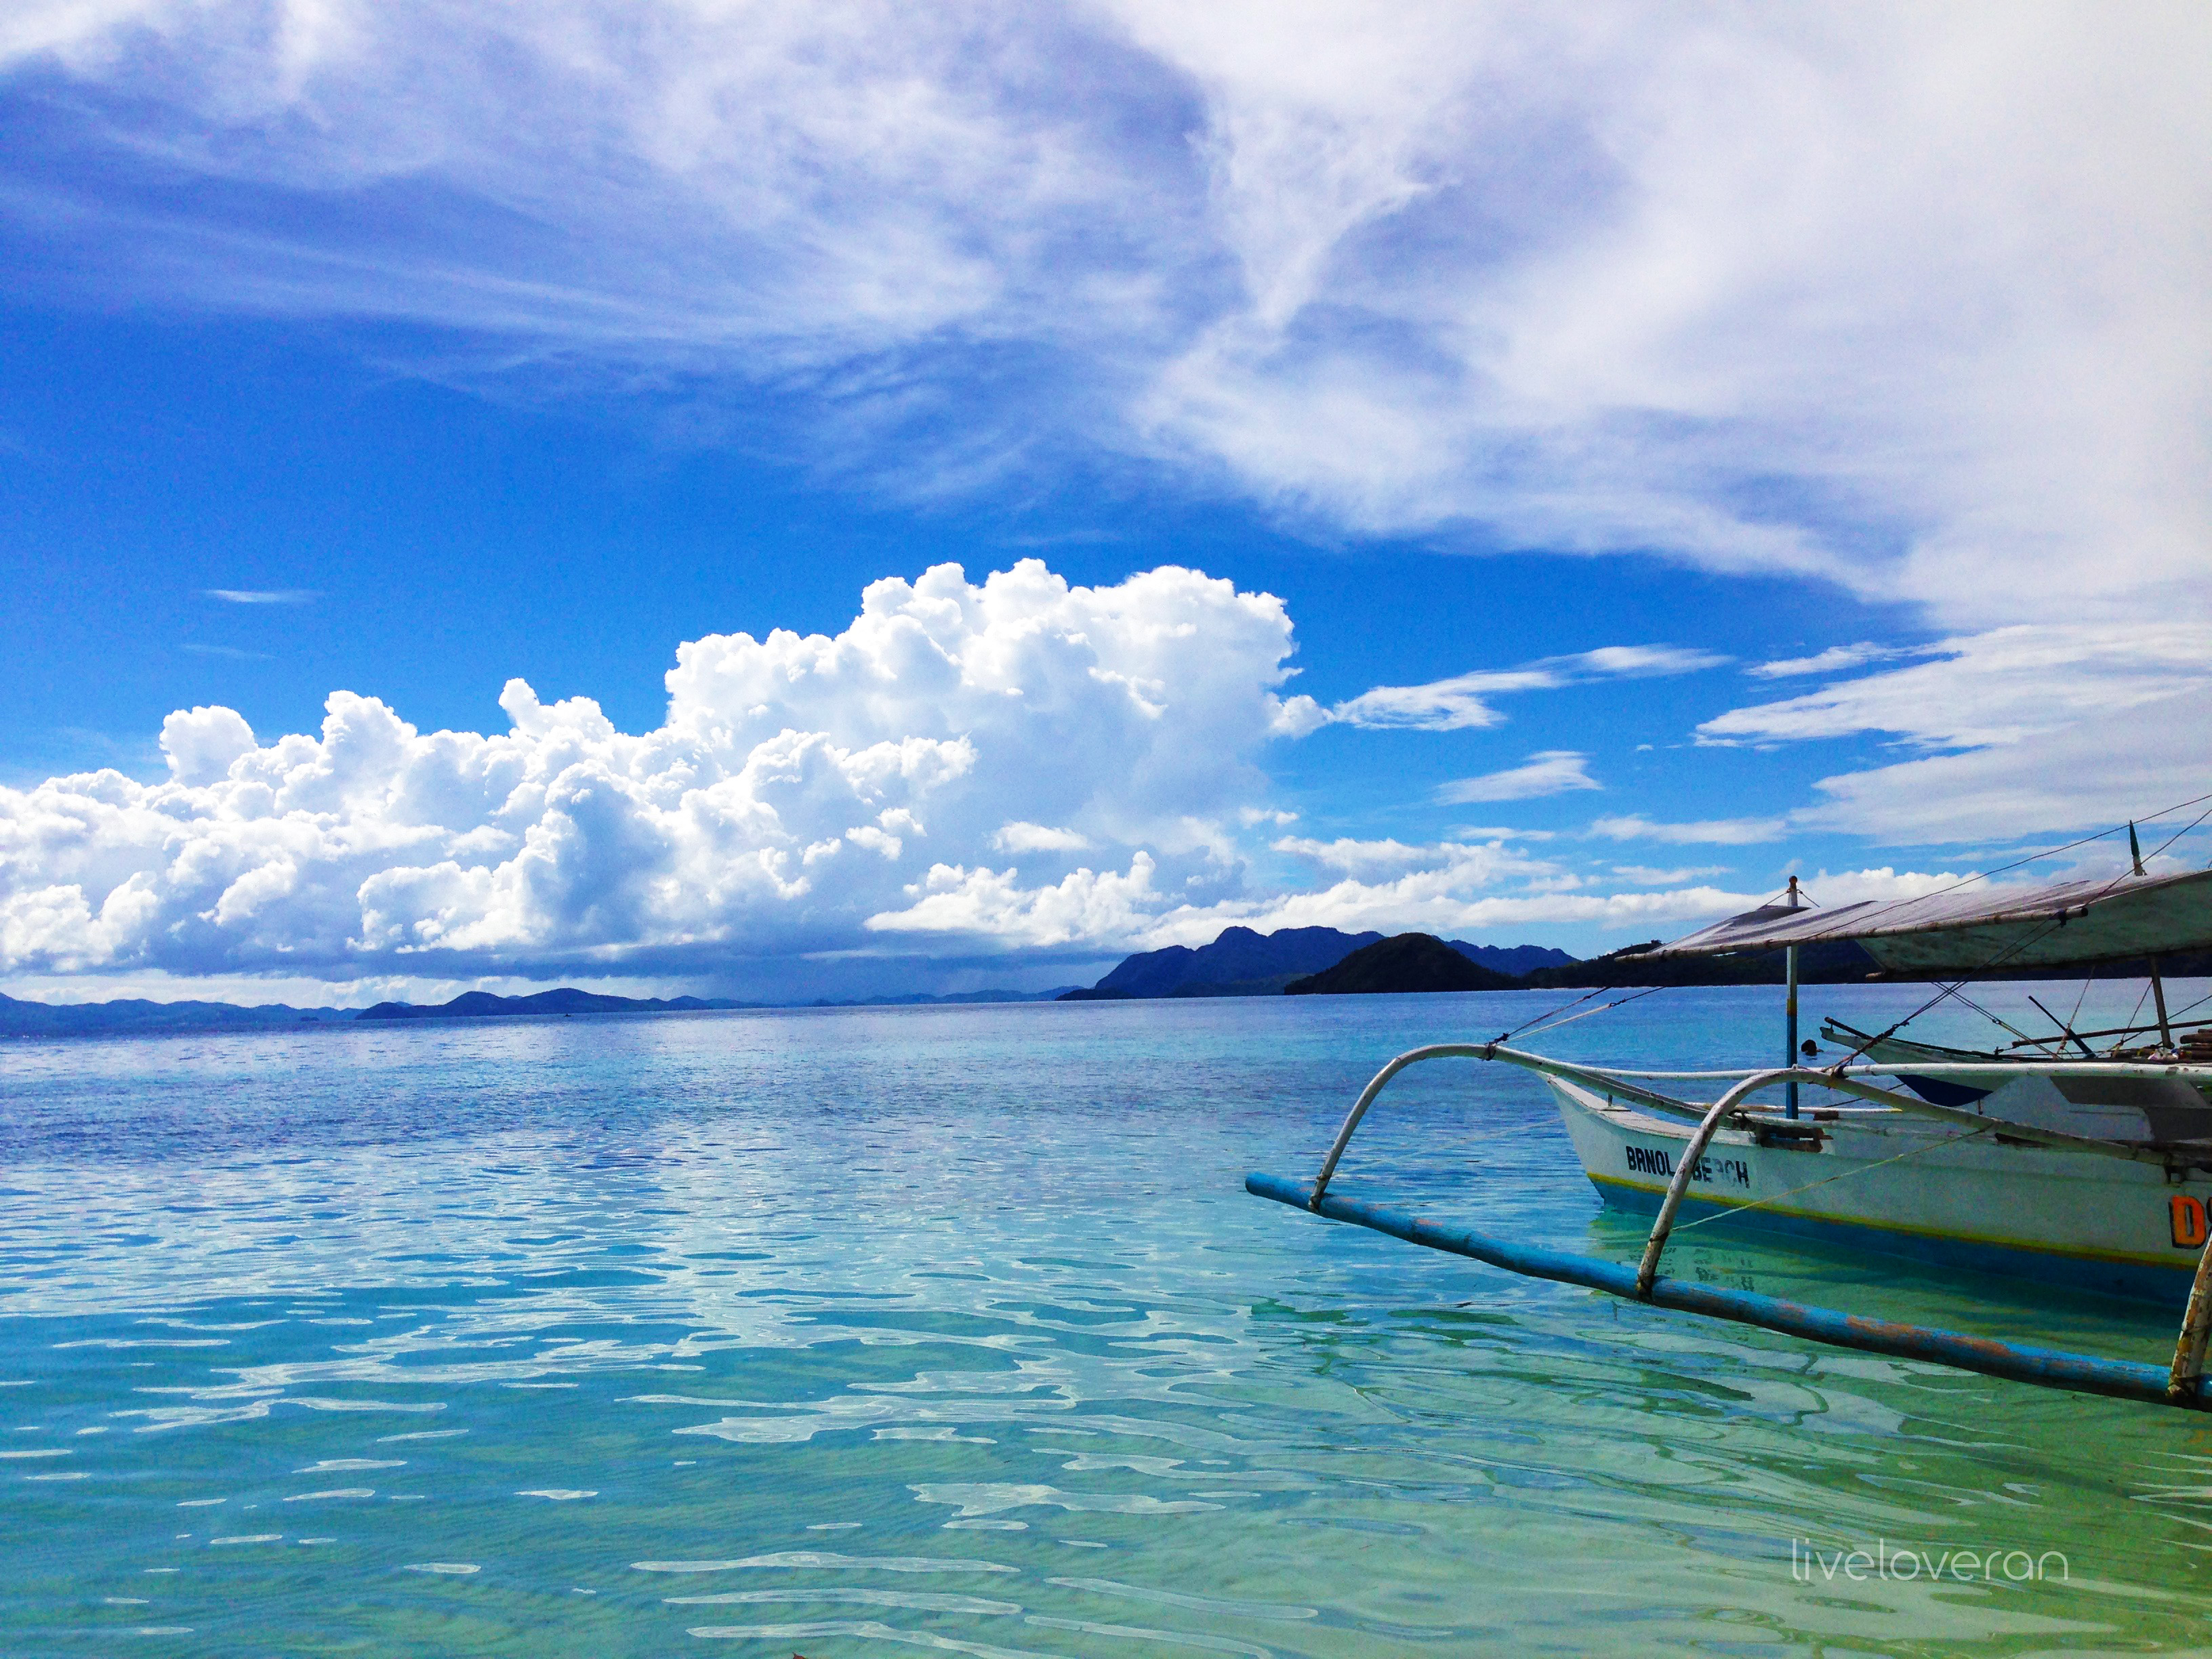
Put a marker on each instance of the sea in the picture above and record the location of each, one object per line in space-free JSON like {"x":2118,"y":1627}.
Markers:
{"x":952,"y":1329}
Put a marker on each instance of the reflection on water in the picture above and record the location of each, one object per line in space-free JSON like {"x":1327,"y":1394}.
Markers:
{"x":864,"y":1331}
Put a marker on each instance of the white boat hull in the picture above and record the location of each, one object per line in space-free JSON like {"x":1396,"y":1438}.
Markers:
{"x":1909,"y":1188}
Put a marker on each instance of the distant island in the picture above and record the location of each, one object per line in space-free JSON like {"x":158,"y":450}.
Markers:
{"x":1239,"y":963}
{"x":1410,"y":962}
{"x":1244,"y":963}
{"x":1323,"y":961}
{"x":483,"y":1005}
{"x":22,"y":1018}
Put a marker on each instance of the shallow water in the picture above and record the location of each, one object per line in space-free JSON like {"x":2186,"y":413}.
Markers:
{"x":857,"y":1331}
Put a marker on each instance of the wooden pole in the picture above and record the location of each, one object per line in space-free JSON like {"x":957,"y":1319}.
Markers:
{"x":1789,"y":1011}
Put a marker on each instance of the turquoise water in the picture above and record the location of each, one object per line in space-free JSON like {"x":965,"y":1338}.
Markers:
{"x":864,"y":1332}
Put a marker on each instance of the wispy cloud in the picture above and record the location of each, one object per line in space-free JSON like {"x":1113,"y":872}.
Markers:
{"x":1836,"y":659}
{"x":1044,"y":540}
{"x":1994,"y":688}
{"x":1634,"y":282}
{"x":232,"y":653}
{"x":1551,"y":772}
{"x":1462,"y":702}
{"x":1719,"y":832}
{"x":1644,"y":875}
{"x":262,"y":595}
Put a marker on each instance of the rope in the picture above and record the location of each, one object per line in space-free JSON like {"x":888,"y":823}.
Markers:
{"x":2142,"y":997}
{"x":2185,"y":830}
{"x":1648,"y":990}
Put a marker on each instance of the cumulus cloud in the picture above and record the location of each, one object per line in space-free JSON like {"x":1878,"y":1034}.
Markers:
{"x":1551,"y":772}
{"x":1444,"y":887}
{"x":1913,"y":304}
{"x":799,"y":790}
{"x":1462,"y":702}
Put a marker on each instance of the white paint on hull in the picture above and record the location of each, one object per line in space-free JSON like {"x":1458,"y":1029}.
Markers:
{"x":1909,"y":1186}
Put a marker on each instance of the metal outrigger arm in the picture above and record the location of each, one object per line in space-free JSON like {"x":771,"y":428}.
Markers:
{"x":2182,"y":1384}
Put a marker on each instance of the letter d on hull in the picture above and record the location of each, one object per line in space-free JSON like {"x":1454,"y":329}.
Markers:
{"x":2187,"y":1216}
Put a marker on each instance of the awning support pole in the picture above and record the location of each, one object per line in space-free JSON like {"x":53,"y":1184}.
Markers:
{"x":2157,"y":984}
{"x":1789,"y":1011}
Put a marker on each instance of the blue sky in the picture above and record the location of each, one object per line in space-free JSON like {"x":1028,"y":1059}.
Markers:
{"x":1637,"y":458}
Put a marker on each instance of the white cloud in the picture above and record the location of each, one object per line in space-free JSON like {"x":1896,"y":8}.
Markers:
{"x":1836,"y":659}
{"x":1551,"y":772}
{"x":1446,"y":888}
{"x":1719,"y":832}
{"x":2067,"y":728}
{"x":1460,"y":702}
{"x":1912,"y":302}
{"x":261,"y":595}
{"x":1498,"y":832}
{"x":1644,"y":875}
{"x":201,"y":743}
{"x":1367,"y":857}
{"x":1994,"y":688}
{"x":1830,"y":889}
{"x":1038,"y":838}
{"x":1084,"y":906}
{"x":1446,"y":902}
{"x":2132,"y":762}
{"x":789,"y":796}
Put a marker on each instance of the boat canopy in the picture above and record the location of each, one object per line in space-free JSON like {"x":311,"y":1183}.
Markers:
{"x":1978,"y":928}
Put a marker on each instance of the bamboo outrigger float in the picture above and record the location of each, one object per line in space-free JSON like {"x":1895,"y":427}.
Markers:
{"x":2048,"y":1158}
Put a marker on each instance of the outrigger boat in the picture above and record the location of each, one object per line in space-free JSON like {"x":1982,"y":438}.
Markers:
{"x":2053,"y":1158}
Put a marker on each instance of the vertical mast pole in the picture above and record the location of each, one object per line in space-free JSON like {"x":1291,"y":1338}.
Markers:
{"x":1789,"y":1010}
{"x":2157,"y":985}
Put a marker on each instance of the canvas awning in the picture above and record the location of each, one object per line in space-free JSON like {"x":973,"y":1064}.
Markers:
{"x":1982,"y":927}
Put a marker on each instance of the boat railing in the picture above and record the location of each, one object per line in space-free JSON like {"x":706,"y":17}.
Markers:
{"x":1844,"y":1079}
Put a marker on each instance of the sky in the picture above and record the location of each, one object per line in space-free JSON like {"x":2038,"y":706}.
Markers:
{"x":781,"y":502}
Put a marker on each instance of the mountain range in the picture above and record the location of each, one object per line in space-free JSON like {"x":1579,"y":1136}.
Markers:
{"x":22,"y":1018}
{"x":1244,"y":963}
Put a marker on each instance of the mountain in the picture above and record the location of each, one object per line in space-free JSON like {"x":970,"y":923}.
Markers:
{"x":479,"y":1005}
{"x":1838,"y":962}
{"x":1241,"y":963}
{"x":1514,"y":959}
{"x":1409,"y":962}
{"x":924,"y":999}
{"x":20,"y":1019}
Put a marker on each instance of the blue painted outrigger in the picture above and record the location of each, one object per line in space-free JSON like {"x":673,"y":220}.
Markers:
{"x":2048,"y":1367}
{"x":1966,"y":1094}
